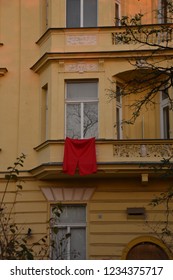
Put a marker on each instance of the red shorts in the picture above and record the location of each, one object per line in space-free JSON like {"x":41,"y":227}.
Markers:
{"x":79,"y":153}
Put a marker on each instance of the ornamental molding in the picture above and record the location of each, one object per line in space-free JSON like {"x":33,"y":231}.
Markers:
{"x":81,"y":67}
{"x":143,"y":151}
{"x":79,"y":40}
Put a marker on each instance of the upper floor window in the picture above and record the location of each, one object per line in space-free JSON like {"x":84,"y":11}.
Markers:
{"x":82,"y":109}
{"x":44,"y":15}
{"x":117,"y":13}
{"x":44,"y":113}
{"x":118,"y":112}
{"x":164,"y":11}
{"x":81,"y":13}
{"x":165,"y":120}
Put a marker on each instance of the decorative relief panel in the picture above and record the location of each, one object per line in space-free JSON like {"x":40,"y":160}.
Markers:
{"x":81,"y":67}
{"x":79,"y":40}
{"x":146,"y":150}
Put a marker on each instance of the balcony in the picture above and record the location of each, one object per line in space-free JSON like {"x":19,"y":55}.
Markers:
{"x":151,"y":34}
{"x":95,"y":43}
{"x":114,"y":157}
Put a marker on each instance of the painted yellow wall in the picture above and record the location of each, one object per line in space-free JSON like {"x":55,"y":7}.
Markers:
{"x":109,"y":230}
{"x":34,"y":59}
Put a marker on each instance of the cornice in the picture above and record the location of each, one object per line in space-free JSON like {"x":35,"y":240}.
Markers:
{"x":50,"y":57}
{"x":66,"y":30}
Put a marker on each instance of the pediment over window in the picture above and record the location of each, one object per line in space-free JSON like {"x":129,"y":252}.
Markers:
{"x":55,"y":194}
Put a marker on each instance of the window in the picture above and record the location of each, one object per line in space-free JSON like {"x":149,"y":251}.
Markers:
{"x":82,"y":109}
{"x":44,"y":113}
{"x":163,"y":11}
{"x":45,"y":14}
{"x":70,"y":240}
{"x":118,"y":112}
{"x":117,"y":13}
{"x":165,"y":122}
{"x":81,"y":13}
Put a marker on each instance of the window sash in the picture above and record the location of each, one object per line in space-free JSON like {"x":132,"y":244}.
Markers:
{"x":73,"y":13}
{"x":82,"y":120}
{"x":82,"y":90}
{"x":89,"y":13}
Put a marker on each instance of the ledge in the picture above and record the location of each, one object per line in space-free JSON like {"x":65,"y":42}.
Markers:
{"x":115,"y":158}
{"x":112,"y":141}
{"x":95,"y":43}
{"x":53,"y":171}
{"x":64,"y":30}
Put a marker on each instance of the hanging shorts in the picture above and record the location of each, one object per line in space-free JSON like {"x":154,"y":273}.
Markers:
{"x":81,"y":154}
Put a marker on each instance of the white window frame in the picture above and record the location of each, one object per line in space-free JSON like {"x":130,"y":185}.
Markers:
{"x":81,"y":102}
{"x":163,"y":104}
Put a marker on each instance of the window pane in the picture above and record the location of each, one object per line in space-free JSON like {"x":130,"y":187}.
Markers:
{"x":73,"y":121}
{"x":82,"y":91}
{"x":73,"y":214}
{"x":90,"y":128}
{"x":164,"y":11}
{"x":73,"y":13}
{"x":70,"y":245}
{"x":118,"y":94}
{"x":60,"y":249}
{"x":78,"y":244}
{"x":90,"y":13}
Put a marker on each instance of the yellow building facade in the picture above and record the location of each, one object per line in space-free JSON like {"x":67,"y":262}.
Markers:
{"x":58,"y":59}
